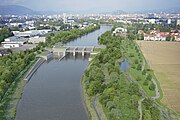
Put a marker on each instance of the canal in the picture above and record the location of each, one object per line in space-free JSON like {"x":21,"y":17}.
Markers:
{"x":54,"y":91}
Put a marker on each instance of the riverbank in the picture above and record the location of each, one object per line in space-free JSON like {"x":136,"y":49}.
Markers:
{"x":88,"y":102}
{"x":10,"y":101}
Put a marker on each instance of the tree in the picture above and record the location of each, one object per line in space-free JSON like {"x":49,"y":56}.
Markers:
{"x":168,"y":38}
{"x":131,"y":36}
{"x":152,"y":87}
{"x":149,"y":77}
{"x":134,"y":89}
{"x":139,"y":67}
{"x":146,"y":82}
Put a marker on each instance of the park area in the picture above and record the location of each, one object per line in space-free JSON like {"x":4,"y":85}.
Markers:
{"x":164,"y":59}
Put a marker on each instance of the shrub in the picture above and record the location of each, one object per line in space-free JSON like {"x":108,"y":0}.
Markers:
{"x":152,"y":87}
{"x":149,"y":77}
{"x":146,"y":82}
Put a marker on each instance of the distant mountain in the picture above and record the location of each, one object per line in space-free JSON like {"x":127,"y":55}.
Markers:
{"x":15,"y":10}
{"x":173,"y":10}
{"x":45,"y":12}
{"x":118,"y":12}
{"x":21,"y":10}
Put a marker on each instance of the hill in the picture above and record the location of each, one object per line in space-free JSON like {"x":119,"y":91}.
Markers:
{"x":15,"y":10}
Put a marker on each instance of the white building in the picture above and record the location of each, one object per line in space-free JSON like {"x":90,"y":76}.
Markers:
{"x":13,"y":42}
{"x":120,"y":30}
{"x":31,"y":33}
{"x":36,"y":40}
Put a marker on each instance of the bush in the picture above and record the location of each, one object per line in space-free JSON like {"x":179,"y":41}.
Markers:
{"x":146,"y":82}
{"x":149,"y":77}
{"x":144,"y":72}
{"x":152,"y":87}
{"x":138,"y":78}
{"x":139,"y":67}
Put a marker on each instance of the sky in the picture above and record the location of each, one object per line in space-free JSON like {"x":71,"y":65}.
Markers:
{"x":95,"y":5}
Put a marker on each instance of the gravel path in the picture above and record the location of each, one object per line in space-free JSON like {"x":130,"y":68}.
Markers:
{"x":96,"y":109}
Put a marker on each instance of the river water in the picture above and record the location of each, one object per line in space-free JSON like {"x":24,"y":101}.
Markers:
{"x":54,"y":91}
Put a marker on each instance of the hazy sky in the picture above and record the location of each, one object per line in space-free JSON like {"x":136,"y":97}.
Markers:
{"x":95,"y":5}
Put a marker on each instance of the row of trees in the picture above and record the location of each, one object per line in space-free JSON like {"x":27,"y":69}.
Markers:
{"x":118,"y":96}
{"x":5,"y":33}
{"x":66,"y":36}
{"x":11,"y":66}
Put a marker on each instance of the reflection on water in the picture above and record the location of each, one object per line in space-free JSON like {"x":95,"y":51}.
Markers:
{"x":54,"y":92}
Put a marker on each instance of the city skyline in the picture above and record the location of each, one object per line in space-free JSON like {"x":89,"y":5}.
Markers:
{"x":94,"y":6}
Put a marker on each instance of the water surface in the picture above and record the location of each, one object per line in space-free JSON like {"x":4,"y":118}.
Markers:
{"x":54,"y":91}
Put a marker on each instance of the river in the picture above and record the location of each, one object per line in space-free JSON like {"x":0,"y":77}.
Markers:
{"x":54,"y":91}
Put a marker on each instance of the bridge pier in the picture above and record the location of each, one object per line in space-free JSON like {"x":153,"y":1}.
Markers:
{"x":74,"y":51}
{"x":83,"y":51}
{"x":59,"y":54}
{"x":64,"y":53}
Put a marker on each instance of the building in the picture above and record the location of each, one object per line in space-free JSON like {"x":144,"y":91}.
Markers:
{"x":14,"y":41}
{"x":169,"y":21}
{"x":152,"y":21}
{"x":4,"y":52}
{"x":156,"y":35}
{"x":154,"y":31}
{"x":140,"y":32}
{"x":36,"y":40}
{"x":120,"y":32}
{"x":31,"y":33}
{"x":178,"y":22}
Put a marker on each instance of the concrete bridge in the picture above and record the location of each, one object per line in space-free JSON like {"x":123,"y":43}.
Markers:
{"x":63,"y":50}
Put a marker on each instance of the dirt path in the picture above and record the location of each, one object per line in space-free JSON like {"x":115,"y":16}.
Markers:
{"x":140,"y":108}
{"x":96,"y":109}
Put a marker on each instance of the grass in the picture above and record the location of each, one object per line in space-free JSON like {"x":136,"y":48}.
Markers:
{"x":132,"y":55}
{"x":137,"y":74}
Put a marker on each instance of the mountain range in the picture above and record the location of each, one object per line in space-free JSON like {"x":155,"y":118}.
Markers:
{"x":21,"y":10}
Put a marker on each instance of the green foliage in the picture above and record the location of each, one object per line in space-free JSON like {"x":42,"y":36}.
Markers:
{"x":5,"y":33}
{"x":151,"y":111}
{"x":149,"y":77}
{"x":119,"y":97}
{"x":146,"y":83}
{"x":152,"y":87}
{"x":66,"y":36}
{"x":10,"y":66}
{"x":134,"y":89}
{"x":131,"y":36}
{"x":139,"y":67}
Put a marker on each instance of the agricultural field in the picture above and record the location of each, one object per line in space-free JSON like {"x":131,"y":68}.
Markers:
{"x":164,"y":59}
